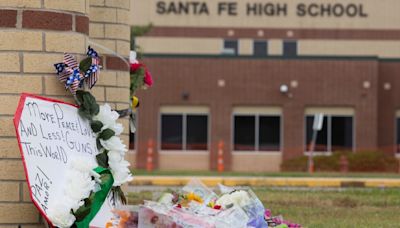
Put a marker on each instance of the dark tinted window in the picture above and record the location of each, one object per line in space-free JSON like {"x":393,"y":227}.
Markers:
{"x":131,"y":140}
{"x":171,"y":132}
{"x":322,"y":136}
{"x":342,"y":133}
{"x":197,"y":132}
{"x":231,"y":45}
{"x":398,"y":134}
{"x":290,"y":48}
{"x":244,"y":133}
{"x":260,"y":48}
{"x":269,"y":133}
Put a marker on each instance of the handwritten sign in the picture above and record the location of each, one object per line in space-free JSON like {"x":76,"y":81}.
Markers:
{"x":50,"y":134}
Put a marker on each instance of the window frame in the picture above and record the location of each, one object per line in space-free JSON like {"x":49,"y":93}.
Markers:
{"x":185,"y":111}
{"x":329,"y":133}
{"x":256,"y":115}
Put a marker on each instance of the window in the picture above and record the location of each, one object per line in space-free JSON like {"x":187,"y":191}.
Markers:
{"x":230,"y":47}
{"x":257,"y":132}
{"x":336,"y":133}
{"x":290,"y":48}
{"x":184,"y":130}
{"x":260,"y":48}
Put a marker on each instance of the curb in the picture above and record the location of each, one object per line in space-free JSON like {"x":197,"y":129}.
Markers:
{"x":267,"y":181}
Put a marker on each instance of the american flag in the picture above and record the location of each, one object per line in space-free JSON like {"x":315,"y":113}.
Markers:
{"x":66,"y":68}
{"x":95,"y":71}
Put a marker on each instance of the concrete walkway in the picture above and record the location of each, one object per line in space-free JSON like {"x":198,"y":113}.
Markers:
{"x":268,"y":181}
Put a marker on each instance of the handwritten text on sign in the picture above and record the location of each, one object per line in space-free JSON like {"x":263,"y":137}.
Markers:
{"x":51,"y":133}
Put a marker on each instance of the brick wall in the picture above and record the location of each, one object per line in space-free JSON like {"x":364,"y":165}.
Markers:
{"x":33,"y":35}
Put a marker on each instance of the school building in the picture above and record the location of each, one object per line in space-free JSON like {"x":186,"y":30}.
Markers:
{"x":251,"y":74}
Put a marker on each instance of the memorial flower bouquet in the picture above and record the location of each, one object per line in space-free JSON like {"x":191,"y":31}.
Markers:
{"x":195,"y":205}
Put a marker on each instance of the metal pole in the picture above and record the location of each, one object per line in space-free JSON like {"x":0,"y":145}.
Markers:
{"x":312,"y":148}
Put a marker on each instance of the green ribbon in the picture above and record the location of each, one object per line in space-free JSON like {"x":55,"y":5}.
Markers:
{"x":99,"y":197}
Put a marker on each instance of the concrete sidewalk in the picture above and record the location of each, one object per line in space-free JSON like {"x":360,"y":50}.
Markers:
{"x":268,"y":181}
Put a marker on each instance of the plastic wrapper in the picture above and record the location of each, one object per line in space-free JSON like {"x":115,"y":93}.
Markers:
{"x":197,"y":206}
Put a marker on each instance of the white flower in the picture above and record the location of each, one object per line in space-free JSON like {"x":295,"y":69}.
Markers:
{"x":60,"y":215}
{"x":79,"y":185}
{"x":115,"y":156}
{"x":239,"y":198}
{"x":121,"y":178}
{"x":113,"y":144}
{"x":108,"y":118}
{"x":120,"y":171}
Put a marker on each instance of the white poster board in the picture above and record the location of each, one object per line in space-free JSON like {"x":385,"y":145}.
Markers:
{"x":50,"y":134}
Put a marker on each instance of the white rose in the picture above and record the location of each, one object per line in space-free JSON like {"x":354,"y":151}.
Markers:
{"x":79,"y":185}
{"x":108,"y":118}
{"x":113,"y":144}
{"x":120,"y":171}
{"x":115,"y":156}
{"x":224,"y":201}
{"x":121,"y":178}
{"x":239,"y":198}
{"x":60,"y":215}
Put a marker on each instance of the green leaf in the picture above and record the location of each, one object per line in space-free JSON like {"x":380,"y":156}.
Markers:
{"x":84,"y":113}
{"x":106,"y":134}
{"x":88,"y":105}
{"x":96,"y":126}
{"x":98,"y":144}
{"x":102,"y":159}
{"x":79,"y":96}
{"x":85,"y":64}
{"x":137,"y":80}
{"x":82,"y":212}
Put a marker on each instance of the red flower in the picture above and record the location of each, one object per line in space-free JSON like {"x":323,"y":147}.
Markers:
{"x":148,"y":79}
{"x":135,"y":67}
{"x":217,"y":207}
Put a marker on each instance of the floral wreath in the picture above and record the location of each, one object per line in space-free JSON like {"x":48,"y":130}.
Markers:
{"x":89,"y":184}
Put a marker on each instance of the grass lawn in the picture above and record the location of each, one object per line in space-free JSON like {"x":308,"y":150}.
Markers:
{"x":326,"y":208}
{"x":138,"y":172}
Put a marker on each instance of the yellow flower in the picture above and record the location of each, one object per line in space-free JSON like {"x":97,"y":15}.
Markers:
{"x":193,"y":197}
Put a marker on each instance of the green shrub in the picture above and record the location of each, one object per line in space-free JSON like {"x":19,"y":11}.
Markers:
{"x":298,"y":164}
{"x":368,"y":161}
{"x":372,"y":161}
